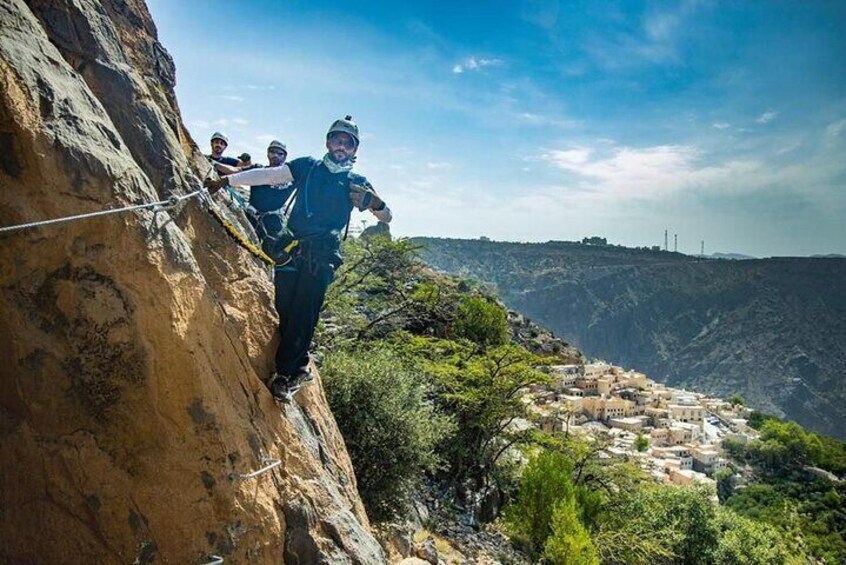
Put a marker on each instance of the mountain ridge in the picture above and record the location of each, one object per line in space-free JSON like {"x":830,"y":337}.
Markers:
{"x":772,"y":329}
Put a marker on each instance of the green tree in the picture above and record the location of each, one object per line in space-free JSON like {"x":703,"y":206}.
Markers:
{"x":725,"y":486}
{"x":736,"y":399}
{"x":377,"y":291}
{"x":390,"y":429}
{"x":546,"y":482}
{"x":655,"y":523}
{"x":569,"y":542}
{"x":481,"y":390}
{"x":746,"y":542}
{"x":641,"y":443}
{"x":482,"y":321}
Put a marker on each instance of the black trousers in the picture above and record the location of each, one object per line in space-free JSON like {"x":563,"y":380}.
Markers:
{"x":300,"y":289}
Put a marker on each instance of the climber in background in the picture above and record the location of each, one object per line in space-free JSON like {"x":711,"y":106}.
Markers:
{"x":219,"y":143}
{"x":267,"y":201}
{"x":325,"y":192}
{"x":271,"y":197}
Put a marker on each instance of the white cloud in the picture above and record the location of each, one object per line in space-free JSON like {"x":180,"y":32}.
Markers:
{"x":650,"y":172}
{"x":661,"y":26}
{"x":543,"y":120}
{"x":475,"y":64}
{"x":438,"y":166}
{"x":766,"y":117}
{"x":570,"y":158}
{"x":836,"y":129}
{"x":655,"y":42}
{"x":239,"y":121}
{"x":720,"y":125}
{"x":231,"y":97}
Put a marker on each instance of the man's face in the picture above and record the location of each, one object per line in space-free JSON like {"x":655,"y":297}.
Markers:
{"x":341,"y":146}
{"x":276,"y":157}
{"x":217,"y":146}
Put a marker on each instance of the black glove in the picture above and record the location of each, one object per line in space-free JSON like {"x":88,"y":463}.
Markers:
{"x":363,"y":196}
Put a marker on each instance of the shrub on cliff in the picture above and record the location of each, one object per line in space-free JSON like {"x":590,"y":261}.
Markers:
{"x":390,"y":428}
{"x":482,"y":321}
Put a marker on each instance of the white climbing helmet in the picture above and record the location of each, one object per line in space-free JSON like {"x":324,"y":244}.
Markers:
{"x":220,"y":136}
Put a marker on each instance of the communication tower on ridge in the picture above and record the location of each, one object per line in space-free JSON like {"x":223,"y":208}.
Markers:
{"x":675,"y":242}
{"x":665,"y":240}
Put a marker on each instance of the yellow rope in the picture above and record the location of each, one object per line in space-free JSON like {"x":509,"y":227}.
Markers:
{"x":242,"y":240}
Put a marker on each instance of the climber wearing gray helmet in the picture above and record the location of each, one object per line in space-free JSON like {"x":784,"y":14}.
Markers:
{"x":326,"y":190}
{"x":219,"y":143}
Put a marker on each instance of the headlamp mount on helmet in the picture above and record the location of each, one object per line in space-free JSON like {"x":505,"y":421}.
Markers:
{"x":347,"y":126}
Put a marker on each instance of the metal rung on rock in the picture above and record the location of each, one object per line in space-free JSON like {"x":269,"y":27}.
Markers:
{"x":268,"y":463}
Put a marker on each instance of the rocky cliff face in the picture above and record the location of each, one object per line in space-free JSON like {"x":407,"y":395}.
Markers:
{"x":134,"y":345}
{"x":771,"y":329}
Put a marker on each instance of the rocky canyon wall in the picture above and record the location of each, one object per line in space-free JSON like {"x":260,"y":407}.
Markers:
{"x":133,"y":345}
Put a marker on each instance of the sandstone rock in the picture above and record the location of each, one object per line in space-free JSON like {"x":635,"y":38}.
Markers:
{"x":413,"y":561}
{"x":135,"y":345}
{"x":427,"y":550}
{"x":396,"y":539}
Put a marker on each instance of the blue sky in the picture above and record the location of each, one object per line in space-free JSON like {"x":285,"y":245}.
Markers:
{"x":540,"y":120}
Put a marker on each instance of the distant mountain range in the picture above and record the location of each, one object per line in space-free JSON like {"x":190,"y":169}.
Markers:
{"x":734,"y":256}
{"x":773,"y":329}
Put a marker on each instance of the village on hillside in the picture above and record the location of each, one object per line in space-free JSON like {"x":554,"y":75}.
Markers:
{"x":674,"y":435}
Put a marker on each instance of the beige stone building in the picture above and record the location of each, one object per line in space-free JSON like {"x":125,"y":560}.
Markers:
{"x":587,"y":385}
{"x":687,"y":413}
{"x":596,"y":370}
{"x":681,"y":432}
{"x":600,"y":408}
{"x":706,"y":459}
{"x":629,"y":424}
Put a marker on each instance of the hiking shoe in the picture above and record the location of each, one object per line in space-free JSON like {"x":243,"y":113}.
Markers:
{"x":278,"y":386}
{"x":297,"y":382}
{"x":284,"y":388}
{"x":300,"y":379}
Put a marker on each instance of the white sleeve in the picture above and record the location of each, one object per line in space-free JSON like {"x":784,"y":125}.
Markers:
{"x":383,"y":215}
{"x":265,"y":175}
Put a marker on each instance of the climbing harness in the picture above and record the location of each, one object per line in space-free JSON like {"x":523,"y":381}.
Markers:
{"x":161,"y":205}
{"x":277,"y":244}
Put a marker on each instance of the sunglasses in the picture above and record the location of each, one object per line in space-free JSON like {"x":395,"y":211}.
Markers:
{"x":346,"y":142}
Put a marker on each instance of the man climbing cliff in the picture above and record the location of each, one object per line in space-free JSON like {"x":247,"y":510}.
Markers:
{"x":326,"y":190}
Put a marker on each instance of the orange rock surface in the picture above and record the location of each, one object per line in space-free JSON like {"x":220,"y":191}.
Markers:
{"x":134,"y":346}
